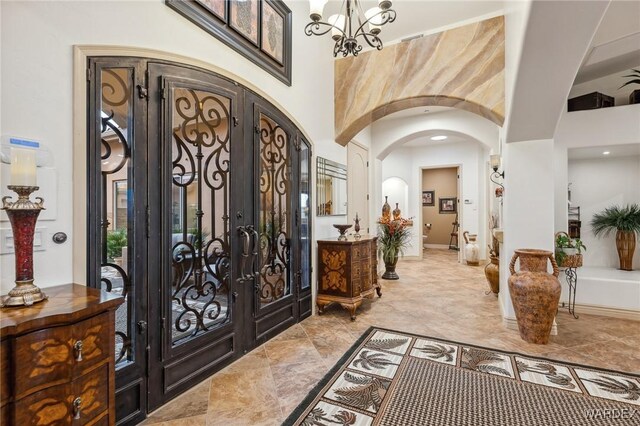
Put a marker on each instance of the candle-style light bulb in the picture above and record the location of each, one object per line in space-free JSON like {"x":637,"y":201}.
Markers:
{"x":23,"y":167}
{"x":495,"y":162}
{"x":338,"y":23}
{"x":374,"y":15}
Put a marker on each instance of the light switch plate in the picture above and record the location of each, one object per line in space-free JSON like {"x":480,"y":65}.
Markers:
{"x":6,"y":240}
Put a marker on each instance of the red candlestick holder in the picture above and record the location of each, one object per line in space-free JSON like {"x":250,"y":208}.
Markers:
{"x":23,"y":215}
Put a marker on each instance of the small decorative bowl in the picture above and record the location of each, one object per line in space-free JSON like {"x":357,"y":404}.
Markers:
{"x":343,"y":231}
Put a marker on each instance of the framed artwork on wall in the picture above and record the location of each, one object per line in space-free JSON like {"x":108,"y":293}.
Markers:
{"x":243,"y":18}
{"x":259,"y":30}
{"x":217,"y":7}
{"x":428,"y":198}
{"x":447,"y":205}
{"x":272,"y":31}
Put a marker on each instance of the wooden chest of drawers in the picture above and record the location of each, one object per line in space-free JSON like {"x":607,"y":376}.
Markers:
{"x":347,"y":272}
{"x":57,"y":359}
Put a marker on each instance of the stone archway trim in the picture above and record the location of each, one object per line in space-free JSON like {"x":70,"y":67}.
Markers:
{"x":461,"y":68}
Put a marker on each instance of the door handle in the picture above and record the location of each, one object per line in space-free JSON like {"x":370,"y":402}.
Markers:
{"x":244,"y":236}
{"x":254,"y":251}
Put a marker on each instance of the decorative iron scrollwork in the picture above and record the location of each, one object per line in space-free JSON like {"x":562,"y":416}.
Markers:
{"x":200,"y":293}
{"x":115,"y":115}
{"x":274,"y":247}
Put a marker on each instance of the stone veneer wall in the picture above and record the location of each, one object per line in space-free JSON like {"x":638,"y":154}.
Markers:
{"x":462,"y":68}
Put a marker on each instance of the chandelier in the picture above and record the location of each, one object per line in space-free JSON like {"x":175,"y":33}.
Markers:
{"x":350,"y":25}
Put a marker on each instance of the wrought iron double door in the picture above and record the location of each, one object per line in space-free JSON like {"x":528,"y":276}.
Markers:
{"x":215,"y":202}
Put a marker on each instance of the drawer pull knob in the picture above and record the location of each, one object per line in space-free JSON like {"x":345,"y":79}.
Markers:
{"x":77,"y":407}
{"x":78,"y":348}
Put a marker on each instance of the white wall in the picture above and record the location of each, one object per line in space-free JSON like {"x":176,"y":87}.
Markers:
{"x":407,"y":164}
{"x":37,"y":40}
{"x":528,"y":206}
{"x":397,"y":189}
{"x":597,"y":184}
{"x":582,"y":129}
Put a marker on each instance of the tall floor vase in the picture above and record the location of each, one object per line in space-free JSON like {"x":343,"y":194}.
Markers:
{"x":390,"y":269}
{"x":492,"y":272}
{"x":534,"y":293}
{"x":626,"y":245}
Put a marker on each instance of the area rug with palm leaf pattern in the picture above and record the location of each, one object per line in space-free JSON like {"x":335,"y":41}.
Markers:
{"x":395,"y":378}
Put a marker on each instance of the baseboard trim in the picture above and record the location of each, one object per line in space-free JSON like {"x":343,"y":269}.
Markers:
{"x":605,"y":311}
{"x":628,"y":314}
{"x":512,"y":324}
{"x":436,"y":246}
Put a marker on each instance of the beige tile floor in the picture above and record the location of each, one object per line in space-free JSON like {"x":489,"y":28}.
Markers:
{"x":436,"y":297}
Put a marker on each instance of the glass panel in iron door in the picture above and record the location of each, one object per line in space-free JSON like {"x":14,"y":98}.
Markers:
{"x":274,"y":227}
{"x":305,"y":217}
{"x":116,"y":207}
{"x":200,"y":238}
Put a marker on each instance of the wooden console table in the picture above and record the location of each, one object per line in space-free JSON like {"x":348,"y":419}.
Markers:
{"x":347,"y":272}
{"x":57,"y":359}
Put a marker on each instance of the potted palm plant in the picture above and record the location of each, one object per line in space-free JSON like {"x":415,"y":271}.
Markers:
{"x":393,"y":237}
{"x":634,"y":97}
{"x":626,"y":222}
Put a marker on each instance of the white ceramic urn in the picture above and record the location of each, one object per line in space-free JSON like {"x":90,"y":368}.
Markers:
{"x":471,"y":249}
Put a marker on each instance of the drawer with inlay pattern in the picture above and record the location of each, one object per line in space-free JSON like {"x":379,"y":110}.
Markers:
{"x":58,"y":354}
{"x":78,"y":402}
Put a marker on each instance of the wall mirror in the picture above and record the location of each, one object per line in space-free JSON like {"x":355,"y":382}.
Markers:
{"x":331,"y":188}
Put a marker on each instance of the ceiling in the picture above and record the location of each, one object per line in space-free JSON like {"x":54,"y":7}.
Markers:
{"x":424,"y":16}
{"x":416,"y":112}
{"x":426,"y":141}
{"x":616,"y":44}
{"x":596,"y":152}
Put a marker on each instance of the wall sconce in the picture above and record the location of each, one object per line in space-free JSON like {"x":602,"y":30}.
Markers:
{"x":495,"y":161}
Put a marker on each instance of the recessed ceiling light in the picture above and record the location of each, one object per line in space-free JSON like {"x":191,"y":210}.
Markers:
{"x":606,"y":153}
{"x":438,"y":138}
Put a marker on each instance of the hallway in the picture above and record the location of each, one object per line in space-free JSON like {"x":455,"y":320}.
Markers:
{"x":434,"y":297}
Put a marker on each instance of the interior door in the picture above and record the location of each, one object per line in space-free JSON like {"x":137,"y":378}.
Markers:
{"x":196,"y":157}
{"x":358,"y":185}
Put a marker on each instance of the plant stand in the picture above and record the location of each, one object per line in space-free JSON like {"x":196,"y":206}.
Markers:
{"x":571,"y":264}
{"x":571,"y":274}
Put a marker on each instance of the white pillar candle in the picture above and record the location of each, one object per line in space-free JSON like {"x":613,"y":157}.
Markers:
{"x":23,"y":167}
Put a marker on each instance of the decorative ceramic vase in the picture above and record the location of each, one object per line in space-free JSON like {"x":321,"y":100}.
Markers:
{"x":386,"y":209}
{"x":471,"y":249}
{"x":357,"y":227}
{"x":626,"y":245}
{"x":534,"y":293}
{"x":396,"y":213}
{"x":492,"y":272}
{"x":390,"y":269}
